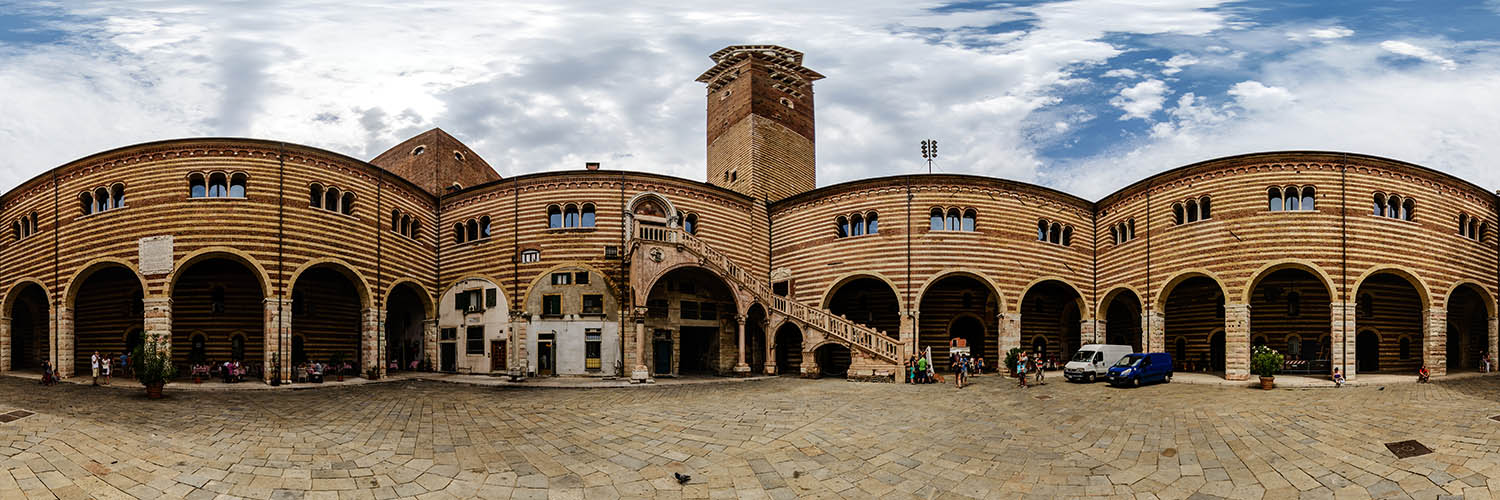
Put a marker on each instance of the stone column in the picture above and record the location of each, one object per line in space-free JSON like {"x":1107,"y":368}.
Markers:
{"x":770,"y":366}
{"x":740,"y":368}
{"x":62,"y":350}
{"x":1153,"y":331}
{"x":382,"y":344}
{"x":907,"y":334}
{"x":430,"y":344}
{"x":1089,"y":331}
{"x":639,"y":374}
{"x":5,"y":353}
{"x":1010,"y":333}
{"x":1494,"y":335}
{"x":1343,"y":328}
{"x":276,"y":341}
{"x":1435,"y":340}
{"x":1236,"y":341}
{"x":369,"y":340}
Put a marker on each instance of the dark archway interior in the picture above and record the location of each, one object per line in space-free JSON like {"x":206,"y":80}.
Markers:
{"x":30,"y":335}
{"x":755,"y":339}
{"x":1122,"y":321}
{"x":1290,"y":310}
{"x":1391,"y":306}
{"x":1468,"y":327}
{"x":405,"y":318}
{"x":690,"y":314}
{"x":107,"y":306}
{"x":1050,"y":311}
{"x":944,"y":303}
{"x":1195,"y":313}
{"x":870,"y":302}
{"x":789,"y":349}
{"x":219,"y":300}
{"x":326,"y":313}
{"x":833,"y":360}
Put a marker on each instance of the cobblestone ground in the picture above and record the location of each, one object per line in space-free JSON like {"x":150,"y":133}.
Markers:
{"x":779,"y":438}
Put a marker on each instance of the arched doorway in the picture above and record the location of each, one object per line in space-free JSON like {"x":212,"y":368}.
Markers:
{"x":1468,"y":329}
{"x":1388,"y":303}
{"x":833,"y":360}
{"x":106,"y":306}
{"x":326,"y":309}
{"x":30,"y":337}
{"x":867,"y":301}
{"x":755,"y":339}
{"x":1122,"y":320}
{"x":962,"y":306}
{"x":215,"y":301}
{"x":1289,"y":310}
{"x":405,"y":320}
{"x":1194,"y":312}
{"x":1050,"y":312}
{"x":690,"y":320}
{"x":789,"y":349}
{"x":1367,"y":352}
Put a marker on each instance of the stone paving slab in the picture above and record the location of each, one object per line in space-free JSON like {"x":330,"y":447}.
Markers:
{"x":777,"y":438}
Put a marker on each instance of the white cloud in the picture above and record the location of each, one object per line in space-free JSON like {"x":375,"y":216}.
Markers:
{"x":1141,"y":99}
{"x":1176,"y":63}
{"x":1324,"y":33}
{"x":1121,"y":73}
{"x":1256,"y":96}
{"x":1410,"y":50}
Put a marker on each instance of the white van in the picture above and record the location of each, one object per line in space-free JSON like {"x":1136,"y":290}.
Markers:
{"x":1093,"y":361}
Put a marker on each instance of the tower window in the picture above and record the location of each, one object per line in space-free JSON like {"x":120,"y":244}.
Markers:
{"x":417,"y":151}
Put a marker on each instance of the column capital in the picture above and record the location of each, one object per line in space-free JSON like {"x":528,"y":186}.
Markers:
{"x":639,"y":313}
{"x":740,"y":318}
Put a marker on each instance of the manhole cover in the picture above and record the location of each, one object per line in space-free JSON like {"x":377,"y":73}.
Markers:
{"x":1044,"y":397}
{"x":1407,"y":449}
{"x":1169,"y":452}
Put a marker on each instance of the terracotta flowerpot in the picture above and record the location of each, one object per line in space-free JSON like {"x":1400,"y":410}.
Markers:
{"x":153,"y":391}
{"x":1267,"y":383}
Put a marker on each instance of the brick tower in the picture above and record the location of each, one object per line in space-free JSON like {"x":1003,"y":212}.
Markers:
{"x":760,"y":121}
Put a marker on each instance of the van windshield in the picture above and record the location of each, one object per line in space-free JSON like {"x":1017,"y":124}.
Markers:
{"x":1130,"y":360}
{"x":1084,"y":356}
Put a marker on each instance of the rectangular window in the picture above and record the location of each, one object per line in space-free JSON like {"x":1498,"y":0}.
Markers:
{"x":656,"y":308}
{"x":593,"y":304}
{"x":592,"y":343}
{"x":708,"y":310}
{"x":449,"y":334}
{"x":689,"y":310}
{"x":780,"y":288}
{"x":470,"y":301}
{"x":489,"y":297}
{"x":611,"y":252}
{"x":552,"y":305}
{"x":461,"y":301}
{"x":530,"y":256}
{"x":474,"y":341}
{"x":562,"y":278}
{"x":581,"y":277}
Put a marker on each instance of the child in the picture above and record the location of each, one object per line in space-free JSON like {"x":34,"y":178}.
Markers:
{"x":1021,"y":369}
{"x":1423,"y":375}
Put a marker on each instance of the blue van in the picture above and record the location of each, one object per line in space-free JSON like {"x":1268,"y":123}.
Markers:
{"x":1138,"y":368}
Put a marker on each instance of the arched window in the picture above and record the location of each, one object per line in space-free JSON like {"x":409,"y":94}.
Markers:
{"x":1067,"y":237}
{"x":1054,"y":233}
{"x":1041,"y":230}
{"x":1114,"y":234}
{"x":1379,"y":205}
{"x":331,"y":199}
{"x":237,"y":185}
{"x":937,"y":220}
{"x":237,"y":348}
{"x":395,"y":221}
{"x":1309,"y":198}
{"x":588,"y":215}
{"x":473,"y":230}
{"x":1393,"y":207}
{"x":316,"y":200}
{"x":1131,"y":224}
{"x":216,"y":299}
{"x":117,"y":195}
{"x":197,"y":188}
{"x":1409,"y":209}
{"x":1203,"y":208}
{"x":953,"y":219}
{"x":1484,"y":227}
{"x":1192,"y":211}
{"x":416,"y":228}
{"x":570,"y":215}
{"x":1294,"y":304}
{"x":1177,"y":214}
{"x":1275,"y":196}
{"x":15,"y":227}
{"x":1292,"y":200}
{"x":484,"y":227}
{"x":554,"y":217}
{"x":690,"y":224}
{"x":86,"y":202}
{"x":1463,"y":225}
{"x":1366,"y":306}
{"x":856,"y":225}
{"x":970,"y":218}
{"x":458,"y":233}
{"x":1474,"y":229}
{"x":101,"y":200}
{"x":1405,"y":350}
{"x":872,"y":223}
{"x":218,"y":185}
{"x":347,"y":204}
{"x":406,"y":227}
{"x":841,"y":226}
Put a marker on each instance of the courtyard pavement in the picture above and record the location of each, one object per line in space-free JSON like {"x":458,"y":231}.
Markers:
{"x":775,"y":438}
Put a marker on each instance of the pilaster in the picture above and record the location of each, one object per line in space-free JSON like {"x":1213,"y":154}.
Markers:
{"x":1010,"y":332}
{"x":1494,"y":334}
{"x":369,"y":340}
{"x":1154,"y":331}
{"x":5,"y":353}
{"x":277,"y":339}
{"x":1343,"y":324}
{"x":1090,"y":331}
{"x":639,"y":374}
{"x":1435,"y":340}
{"x":1236,"y":341}
{"x":430,"y":345}
{"x":62,"y":350}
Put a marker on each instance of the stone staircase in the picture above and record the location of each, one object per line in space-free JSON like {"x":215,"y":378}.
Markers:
{"x":873,"y":342}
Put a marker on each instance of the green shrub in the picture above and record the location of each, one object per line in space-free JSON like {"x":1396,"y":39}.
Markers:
{"x":1011,"y":358}
{"x":152,"y":362}
{"x":1265,"y":361}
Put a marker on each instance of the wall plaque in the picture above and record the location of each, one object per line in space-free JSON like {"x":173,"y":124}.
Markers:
{"x":155,"y":255}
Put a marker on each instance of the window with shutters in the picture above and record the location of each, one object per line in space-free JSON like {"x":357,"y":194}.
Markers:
{"x":474,"y":341}
{"x":581,"y":277}
{"x":593,"y":305}
{"x":489,"y":297}
{"x":562,"y":278}
{"x":551,"y":305}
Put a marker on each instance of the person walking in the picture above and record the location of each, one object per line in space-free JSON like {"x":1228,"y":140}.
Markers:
{"x":1486,"y":362}
{"x":105,"y":366}
{"x":922,"y":369}
{"x":1041,"y":370}
{"x":1021,"y":369}
{"x":94,"y":362}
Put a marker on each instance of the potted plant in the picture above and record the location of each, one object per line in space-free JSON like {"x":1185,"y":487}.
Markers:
{"x":1266,"y":362}
{"x":336,"y":363}
{"x":1011,"y":358}
{"x":152,"y":364}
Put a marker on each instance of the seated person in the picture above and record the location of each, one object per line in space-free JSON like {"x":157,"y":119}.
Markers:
{"x":1338,"y":378}
{"x":316,"y":375}
{"x":1423,"y":374}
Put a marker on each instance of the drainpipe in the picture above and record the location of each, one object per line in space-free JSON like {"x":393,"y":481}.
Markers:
{"x":56,"y":279}
{"x":1151,"y":307}
{"x":1344,"y":264}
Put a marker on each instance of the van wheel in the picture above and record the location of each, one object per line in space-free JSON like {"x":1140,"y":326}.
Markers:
{"x":1169,"y":378}
{"x":1135,"y":382}
{"x":1089,"y":378}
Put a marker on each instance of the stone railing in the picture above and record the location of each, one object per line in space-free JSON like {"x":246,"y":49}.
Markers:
{"x":867,"y":339}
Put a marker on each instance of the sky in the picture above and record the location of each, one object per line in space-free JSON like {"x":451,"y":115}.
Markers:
{"x":1083,"y":96}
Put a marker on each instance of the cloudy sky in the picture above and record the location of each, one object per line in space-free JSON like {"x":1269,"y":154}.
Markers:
{"x":1083,"y":96}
